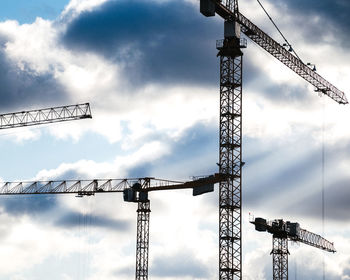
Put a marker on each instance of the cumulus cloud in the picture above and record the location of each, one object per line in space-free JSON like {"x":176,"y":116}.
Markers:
{"x":22,"y":85}
{"x":184,"y":265}
{"x":150,"y":72}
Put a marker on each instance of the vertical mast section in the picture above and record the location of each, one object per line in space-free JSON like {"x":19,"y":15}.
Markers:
{"x":230,"y":153}
{"x":280,"y":258}
{"x":142,"y":242}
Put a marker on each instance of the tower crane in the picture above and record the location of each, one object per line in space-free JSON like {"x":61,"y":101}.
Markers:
{"x":230,"y":143}
{"x":282,"y":232}
{"x":139,"y":194}
{"x":134,"y":190}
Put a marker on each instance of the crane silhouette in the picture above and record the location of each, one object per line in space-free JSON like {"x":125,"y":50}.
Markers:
{"x":230,"y":143}
{"x":282,"y":232}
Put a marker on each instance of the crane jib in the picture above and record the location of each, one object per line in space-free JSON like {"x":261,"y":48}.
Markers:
{"x":275,"y":49}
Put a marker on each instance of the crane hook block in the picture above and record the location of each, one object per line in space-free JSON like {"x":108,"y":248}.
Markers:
{"x":207,"y":8}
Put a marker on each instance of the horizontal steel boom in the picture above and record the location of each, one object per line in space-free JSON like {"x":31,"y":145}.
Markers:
{"x":84,"y":187}
{"x":315,"y":240}
{"x":90,"y":187}
{"x":44,"y":116}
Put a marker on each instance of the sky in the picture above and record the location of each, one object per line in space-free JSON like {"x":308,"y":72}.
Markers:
{"x":150,"y":72}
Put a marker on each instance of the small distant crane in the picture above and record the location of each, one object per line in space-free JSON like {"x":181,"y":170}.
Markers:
{"x":282,"y":232}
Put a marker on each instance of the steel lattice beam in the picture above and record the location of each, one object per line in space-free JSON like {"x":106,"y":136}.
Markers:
{"x":314,"y":240}
{"x":280,"y":258}
{"x":283,"y":55}
{"x":90,"y":187}
{"x":82,"y":187}
{"x":44,"y":116}
{"x":142,"y":240}
{"x":230,"y":154}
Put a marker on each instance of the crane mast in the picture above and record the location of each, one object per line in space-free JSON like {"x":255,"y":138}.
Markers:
{"x":282,"y":232}
{"x":44,"y":116}
{"x":230,"y":154}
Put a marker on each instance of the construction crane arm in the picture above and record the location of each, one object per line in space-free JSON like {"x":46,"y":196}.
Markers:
{"x":292,"y":231}
{"x":314,"y":240}
{"x":90,"y":187}
{"x":80,"y":187}
{"x":275,"y":49}
{"x":44,"y":116}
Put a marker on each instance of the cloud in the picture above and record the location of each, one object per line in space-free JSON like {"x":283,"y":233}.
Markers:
{"x":167,"y":42}
{"x":24,"y":87}
{"x":336,"y":203}
{"x":119,"y":168}
{"x":32,"y":205}
{"x":334,"y":12}
{"x":184,"y":265}
{"x":75,"y":219}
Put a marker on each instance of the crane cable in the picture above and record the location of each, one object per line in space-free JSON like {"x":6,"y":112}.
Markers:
{"x":279,"y":31}
{"x":323,"y":180}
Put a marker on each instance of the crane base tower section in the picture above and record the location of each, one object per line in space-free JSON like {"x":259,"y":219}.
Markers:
{"x":142,"y":245}
{"x":230,"y":154}
{"x":280,"y":258}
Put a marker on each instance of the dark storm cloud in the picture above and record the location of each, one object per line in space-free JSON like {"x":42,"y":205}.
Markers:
{"x":21,"y":89}
{"x":180,"y":265}
{"x":75,"y":219}
{"x":333,"y":16}
{"x":155,"y":42}
{"x":28,"y":204}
